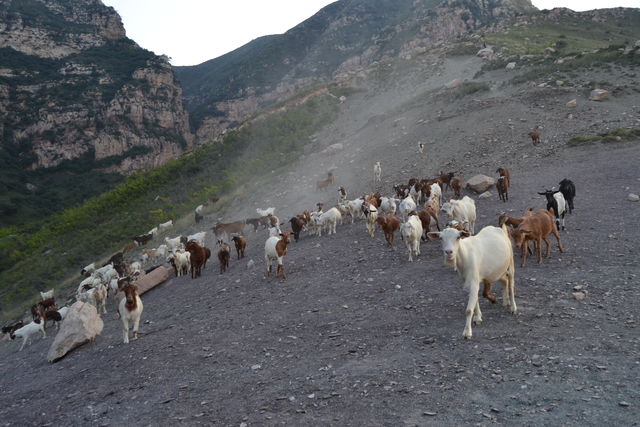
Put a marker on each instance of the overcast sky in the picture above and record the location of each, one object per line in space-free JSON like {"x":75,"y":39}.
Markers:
{"x":191,"y":32}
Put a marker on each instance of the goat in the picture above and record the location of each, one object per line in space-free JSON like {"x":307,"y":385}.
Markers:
{"x":130,"y":310}
{"x":144,"y":239}
{"x":233,"y":227}
{"x":377,"y":170}
{"x":425,"y":220}
{"x":389,"y":225}
{"x":555,"y":200}
{"x":456,"y":185}
{"x":46,"y":295}
{"x":27,"y":331}
{"x":50,"y":314}
{"x":504,"y":172}
{"x":535,"y":137}
{"x":197,"y":258}
{"x":276,"y":248}
{"x":167,"y":224}
{"x":128,"y":247}
{"x":223,"y":257}
{"x":568,"y":190}
{"x":265,"y":212}
{"x":420,"y":147}
{"x":207,"y":255}
{"x":446,"y":179}
{"x":387,"y":206}
{"x":198,"y":218}
{"x":536,"y":227}
{"x":343,"y":195}
{"x":371,"y":214}
{"x":49,"y":302}
{"x":296,"y":227}
{"x":406,"y":206}
{"x":411,"y":232}
{"x":461,"y":210}
{"x":323,"y":184}
{"x":436,"y":191}
{"x":486,"y":257}
{"x":241,"y":244}
{"x":331,"y":177}
{"x":199,"y":238}
{"x":12,"y":328}
{"x":502,"y":185}
{"x":88,"y":269}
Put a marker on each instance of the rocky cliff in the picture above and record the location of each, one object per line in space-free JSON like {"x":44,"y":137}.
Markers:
{"x":73,"y":86}
{"x":342,"y":38}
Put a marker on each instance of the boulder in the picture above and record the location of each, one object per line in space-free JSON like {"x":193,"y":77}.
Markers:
{"x":633,"y":198}
{"x":510,"y":66}
{"x":453,"y":83}
{"x":81,"y":325}
{"x":147,"y":282}
{"x":636,"y":44}
{"x":480,"y":183}
{"x":333,"y":149}
{"x":483,"y":53}
{"x":598,"y":94}
{"x":572,"y":104}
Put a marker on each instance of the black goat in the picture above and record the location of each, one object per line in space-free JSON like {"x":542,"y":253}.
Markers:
{"x":568,"y":190}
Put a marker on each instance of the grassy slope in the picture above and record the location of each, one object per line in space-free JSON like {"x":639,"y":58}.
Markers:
{"x":44,"y":254}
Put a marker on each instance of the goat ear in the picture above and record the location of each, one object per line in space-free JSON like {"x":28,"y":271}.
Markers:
{"x":464,"y":234}
{"x":434,"y":234}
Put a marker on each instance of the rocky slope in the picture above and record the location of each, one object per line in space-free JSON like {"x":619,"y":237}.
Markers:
{"x":72,"y":84}
{"x":342,"y":38}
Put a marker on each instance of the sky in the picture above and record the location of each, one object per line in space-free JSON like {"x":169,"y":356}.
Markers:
{"x":191,"y":32}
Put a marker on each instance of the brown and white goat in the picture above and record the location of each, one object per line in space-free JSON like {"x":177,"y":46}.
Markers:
{"x":130,"y":310}
{"x":504,"y":172}
{"x":276,"y":248}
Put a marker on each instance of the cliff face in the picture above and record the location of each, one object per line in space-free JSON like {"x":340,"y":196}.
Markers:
{"x":72,"y":84}
{"x":342,"y":38}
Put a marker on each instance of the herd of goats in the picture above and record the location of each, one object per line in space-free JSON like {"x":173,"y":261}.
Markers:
{"x":485,"y":257}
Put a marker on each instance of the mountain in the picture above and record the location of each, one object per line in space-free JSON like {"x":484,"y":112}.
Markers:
{"x":80,"y":105}
{"x":342,"y":38}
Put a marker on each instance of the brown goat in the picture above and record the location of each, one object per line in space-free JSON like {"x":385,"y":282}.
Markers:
{"x":331,"y":177}
{"x":389,"y":225}
{"x":537,"y":227}
{"x":502,"y":185}
{"x":197,"y":258}
{"x":456,"y":185}
{"x":129,"y":247}
{"x":50,"y":302}
{"x":207,"y":255}
{"x":504,"y":172}
{"x":232,"y":227}
{"x":223,"y":257}
{"x":535,"y":136}
{"x":446,"y":179}
{"x":322,"y":184}
{"x":241,"y":244}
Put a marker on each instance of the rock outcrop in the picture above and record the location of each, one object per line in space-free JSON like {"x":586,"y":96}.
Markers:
{"x":81,"y":325}
{"x":88,"y":92}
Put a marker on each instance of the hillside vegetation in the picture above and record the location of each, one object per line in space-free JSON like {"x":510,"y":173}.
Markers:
{"x":43,"y":254}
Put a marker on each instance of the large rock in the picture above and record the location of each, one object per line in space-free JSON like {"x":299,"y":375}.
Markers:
{"x":598,"y":94}
{"x":453,"y":83}
{"x":148,"y":281}
{"x":480,"y":183}
{"x":483,"y":53}
{"x":510,"y":66}
{"x":81,"y":325}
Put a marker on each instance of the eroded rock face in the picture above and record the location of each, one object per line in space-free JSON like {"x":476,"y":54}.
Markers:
{"x":81,"y":325}
{"x":88,"y":108}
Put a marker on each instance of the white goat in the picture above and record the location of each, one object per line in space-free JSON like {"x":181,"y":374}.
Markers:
{"x":406,"y":206}
{"x":172,"y":243}
{"x":377,"y":170}
{"x":411,"y":232}
{"x":153,"y":231}
{"x":436,"y":191}
{"x":265,"y":212}
{"x":462,"y":210}
{"x":387,"y":206}
{"x":198,"y":238}
{"x":486,"y":258}
{"x":372,"y":215}
{"x":88,"y":269}
{"x":330,"y":218}
{"x":46,"y":295}
{"x":28,"y":330}
{"x":166,"y":225}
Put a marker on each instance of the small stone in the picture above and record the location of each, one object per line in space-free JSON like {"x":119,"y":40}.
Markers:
{"x":485,"y":195}
{"x":311,"y":396}
{"x":623,"y":403}
{"x":577,"y":288}
{"x":572,"y":104}
{"x":345,"y":306}
{"x":598,"y":94}
{"x":633,"y":197}
{"x":430,"y":414}
{"x":255,"y":367}
{"x":579,"y":296}
{"x":398,"y":287}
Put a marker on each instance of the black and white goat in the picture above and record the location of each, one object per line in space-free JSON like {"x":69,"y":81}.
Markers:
{"x":555,"y":200}
{"x":568,"y":190}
